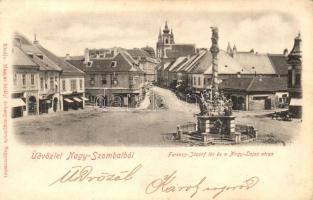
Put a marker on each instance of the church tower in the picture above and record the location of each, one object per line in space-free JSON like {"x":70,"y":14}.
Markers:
{"x":165,"y":38}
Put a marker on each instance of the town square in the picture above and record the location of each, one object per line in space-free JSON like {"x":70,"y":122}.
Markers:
{"x":170,"y":93}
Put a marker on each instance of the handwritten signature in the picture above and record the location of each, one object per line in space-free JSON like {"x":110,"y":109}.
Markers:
{"x":84,"y":173}
{"x":166,"y":185}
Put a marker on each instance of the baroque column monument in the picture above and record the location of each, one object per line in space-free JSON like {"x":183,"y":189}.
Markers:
{"x":215,"y":117}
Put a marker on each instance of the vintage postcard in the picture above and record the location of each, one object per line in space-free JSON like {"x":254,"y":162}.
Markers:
{"x":155,"y":100}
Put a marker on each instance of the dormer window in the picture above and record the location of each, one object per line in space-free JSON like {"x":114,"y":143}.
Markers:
{"x":30,"y":55}
{"x":40,"y":56}
{"x":89,"y":64}
{"x":113,"y":64}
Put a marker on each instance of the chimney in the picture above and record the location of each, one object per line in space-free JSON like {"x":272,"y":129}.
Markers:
{"x":285,"y":52}
{"x":35,"y":39}
{"x":252,"y":51}
{"x":87,"y":58}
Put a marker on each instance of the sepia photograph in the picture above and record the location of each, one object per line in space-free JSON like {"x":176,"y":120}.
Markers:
{"x":157,"y":78}
{"x":149,"y":100}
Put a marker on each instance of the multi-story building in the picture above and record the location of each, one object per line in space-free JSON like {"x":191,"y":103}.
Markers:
{"x":147,"y":62}
{"x":52,"y":72}
{"x":25,"y":85}
{"x":71,"y":84}
{"x":294,"y":78}
{"x":113,"y":77}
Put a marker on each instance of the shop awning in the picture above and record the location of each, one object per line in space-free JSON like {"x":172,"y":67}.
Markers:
{"x":68,"y":100}
{"x":295,"y":102}
{"x":77,"y":99}
{"x":17,"y":103}
{"x":84,"y":98}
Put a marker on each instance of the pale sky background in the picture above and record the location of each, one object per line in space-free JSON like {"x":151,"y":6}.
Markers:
{"x":72,"y":32}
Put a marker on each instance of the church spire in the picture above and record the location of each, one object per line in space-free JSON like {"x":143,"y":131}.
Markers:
{"x":160,"y":36}
{"x":166,"y":29}
{"x":172,"y":37}
{"x":229,"y":50}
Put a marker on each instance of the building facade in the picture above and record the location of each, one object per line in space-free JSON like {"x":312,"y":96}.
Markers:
{"x":147,"y":63}
{"x":50,"y":74}
{"x":256,"y":93}
{"x":112,"y":77}
{"x":25,"y":91}
{"x":294,"y":78}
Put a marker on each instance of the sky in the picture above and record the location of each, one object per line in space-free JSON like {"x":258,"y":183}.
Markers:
{"x":65,"y":32}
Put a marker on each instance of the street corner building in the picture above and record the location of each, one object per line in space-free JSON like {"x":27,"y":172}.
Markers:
{"x":294,"y":78}
{"x":43,"y":82}
{"x":116,"y":76}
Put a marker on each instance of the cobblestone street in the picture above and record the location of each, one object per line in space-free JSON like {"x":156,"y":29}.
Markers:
{"x":143,"y":127}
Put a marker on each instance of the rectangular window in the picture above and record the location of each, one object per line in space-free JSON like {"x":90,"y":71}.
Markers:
{"x":15,"y":79}
{"x":32,"y":79}
{"x":204,"y":81}
{"x":104,"y":79}
{"x":41,"y":83}
{"x":194,"y":80}
{"x":113,"y":64}
{"x":63,"y":85}
{"x":24,"y":79}
{"x":199,"y":81}
{"x":289,"y":78}
{"x":298,"y":80}
{"x":51,"y":83}
{"x":92,"y":79}
{"x":73,"y":85}
{"x":80,"y":84}
{"x":114,"y":81}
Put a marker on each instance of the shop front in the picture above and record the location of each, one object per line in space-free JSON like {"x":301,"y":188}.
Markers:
{"x":45,"y":102}
{"x":18,"y":106}
{"x":73,"y":101}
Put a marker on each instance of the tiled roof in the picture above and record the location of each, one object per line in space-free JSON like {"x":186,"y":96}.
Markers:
{"x":124,"y":64}
{"x":30,"y":49}
{"x":77,"y":63}
{"x":67,"y":68}
{"x":167,"y":65}
{"x":179,"y":61}
{"x":138,"y":53}
{"x":21,"y":39}
{"x":280,"y":63}
{"x":260,"y":62}
{"x":191,"y":66}
{"x":226,"y":64}
{"x":256,"y":84}
{"x":21,"y":59}
{"x":186,"y":66}
{"x":178,"y":50}
{"x":46,"y":64}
